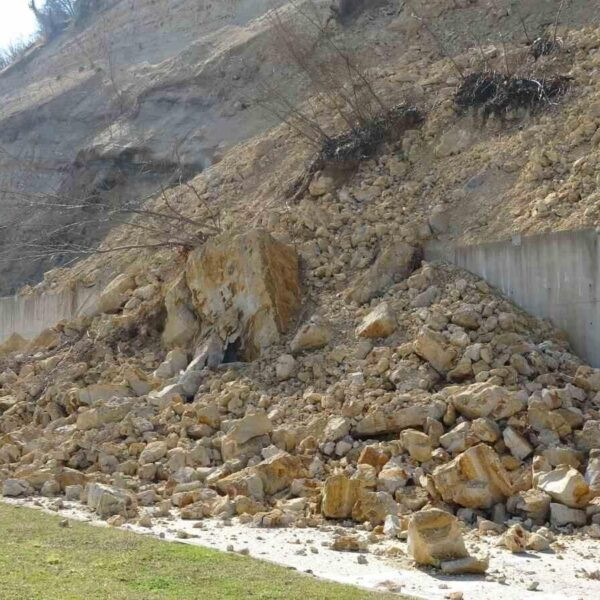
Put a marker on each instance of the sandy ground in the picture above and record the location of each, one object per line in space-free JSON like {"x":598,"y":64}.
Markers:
{"x":570,"y":572}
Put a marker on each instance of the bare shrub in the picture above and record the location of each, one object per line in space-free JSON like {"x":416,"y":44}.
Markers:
{"x":143,"y":223}
{"x":13,"y":52}
{"x":339,"y":88}
{"x":338,"y":85}
{"x":56,"y":15}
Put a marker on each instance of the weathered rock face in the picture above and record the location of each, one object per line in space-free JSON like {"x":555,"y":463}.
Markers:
{"x":245,"y":289}
{"x":182,"y":325}
{"x":474,"y":479}
{"x":339,"y":496}
{"x":394,"y":264}
{"x":434,"y":536}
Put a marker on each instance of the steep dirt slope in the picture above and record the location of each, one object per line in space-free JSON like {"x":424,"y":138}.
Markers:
{"x":151,"y":89}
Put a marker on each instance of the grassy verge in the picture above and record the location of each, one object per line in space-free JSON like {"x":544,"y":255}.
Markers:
{"x":41,"y":561}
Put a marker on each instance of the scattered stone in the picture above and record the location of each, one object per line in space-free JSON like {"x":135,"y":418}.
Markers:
{"x":379,"y":323}
{"x":434,"y":536}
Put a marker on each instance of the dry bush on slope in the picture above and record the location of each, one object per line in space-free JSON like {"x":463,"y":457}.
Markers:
{"x":140,"y":224}
{"x":340,"y":89}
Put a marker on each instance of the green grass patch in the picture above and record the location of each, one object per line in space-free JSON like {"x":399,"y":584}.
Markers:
{"x":41,"y":561}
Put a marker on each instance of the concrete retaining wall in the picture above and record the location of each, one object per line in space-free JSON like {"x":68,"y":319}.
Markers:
{"x":30,"y":315}
{"x":555,"y":276}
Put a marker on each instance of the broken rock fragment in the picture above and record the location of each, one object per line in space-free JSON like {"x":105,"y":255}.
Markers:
{"x":108,"y":501}
{"x":434,"y":536}
{"x":339,"y":496}
{"x":434,"y":348}
{"x":380,"y":422}
{"x":474,"y":479}
{"x":242,"y":431}
{"x":379,"y":323}
{"x":566,"y":486}
{"x":311,"y":336}
{"x":394,"y":263}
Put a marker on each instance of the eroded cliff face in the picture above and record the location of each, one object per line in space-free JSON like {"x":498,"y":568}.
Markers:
{"x":145,"y":93}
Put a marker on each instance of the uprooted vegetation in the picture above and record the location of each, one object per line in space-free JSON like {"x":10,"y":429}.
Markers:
{"x":491,"y":93}
{"x":343,"y":153}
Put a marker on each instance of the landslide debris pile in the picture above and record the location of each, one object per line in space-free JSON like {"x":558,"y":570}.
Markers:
{"x":316,"y":370}
{"x":443,"y":399}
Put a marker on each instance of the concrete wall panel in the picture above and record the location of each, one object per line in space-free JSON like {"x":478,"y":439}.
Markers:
{"x":30,"y":315}
{"x":554,"y":276}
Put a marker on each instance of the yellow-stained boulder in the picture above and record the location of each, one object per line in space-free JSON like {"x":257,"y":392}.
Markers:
{"x":434,"y":536}
{"x":379,"y":323}
{"x":245,"y":287}
{"x":474,"y":479}
{"x":339,"y":496}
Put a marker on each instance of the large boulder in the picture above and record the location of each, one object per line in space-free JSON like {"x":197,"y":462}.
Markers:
{"x":100,"y":392}
{"x":417,"y":443}
{"x":113,"y":411}
{"x":374,"y":507}
{"x":434,"y":536}
{"x":587,"y":378}
{"x":153,"y":452}
{"x":276,"y":473}
{"x":561,"y":515}
{"x":311,"y":336}
{"x":486,"y":400}
{"x":381,"y":422}
{"x":530,"y":504}
{"x":13,"y":488}
{"x":115,"y":294}
{"x":246,"y":289}
{"x":589,"y":437}
{"x":474,"y":479}
{"x":379,"y":323}
{"x":394,"y":263}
